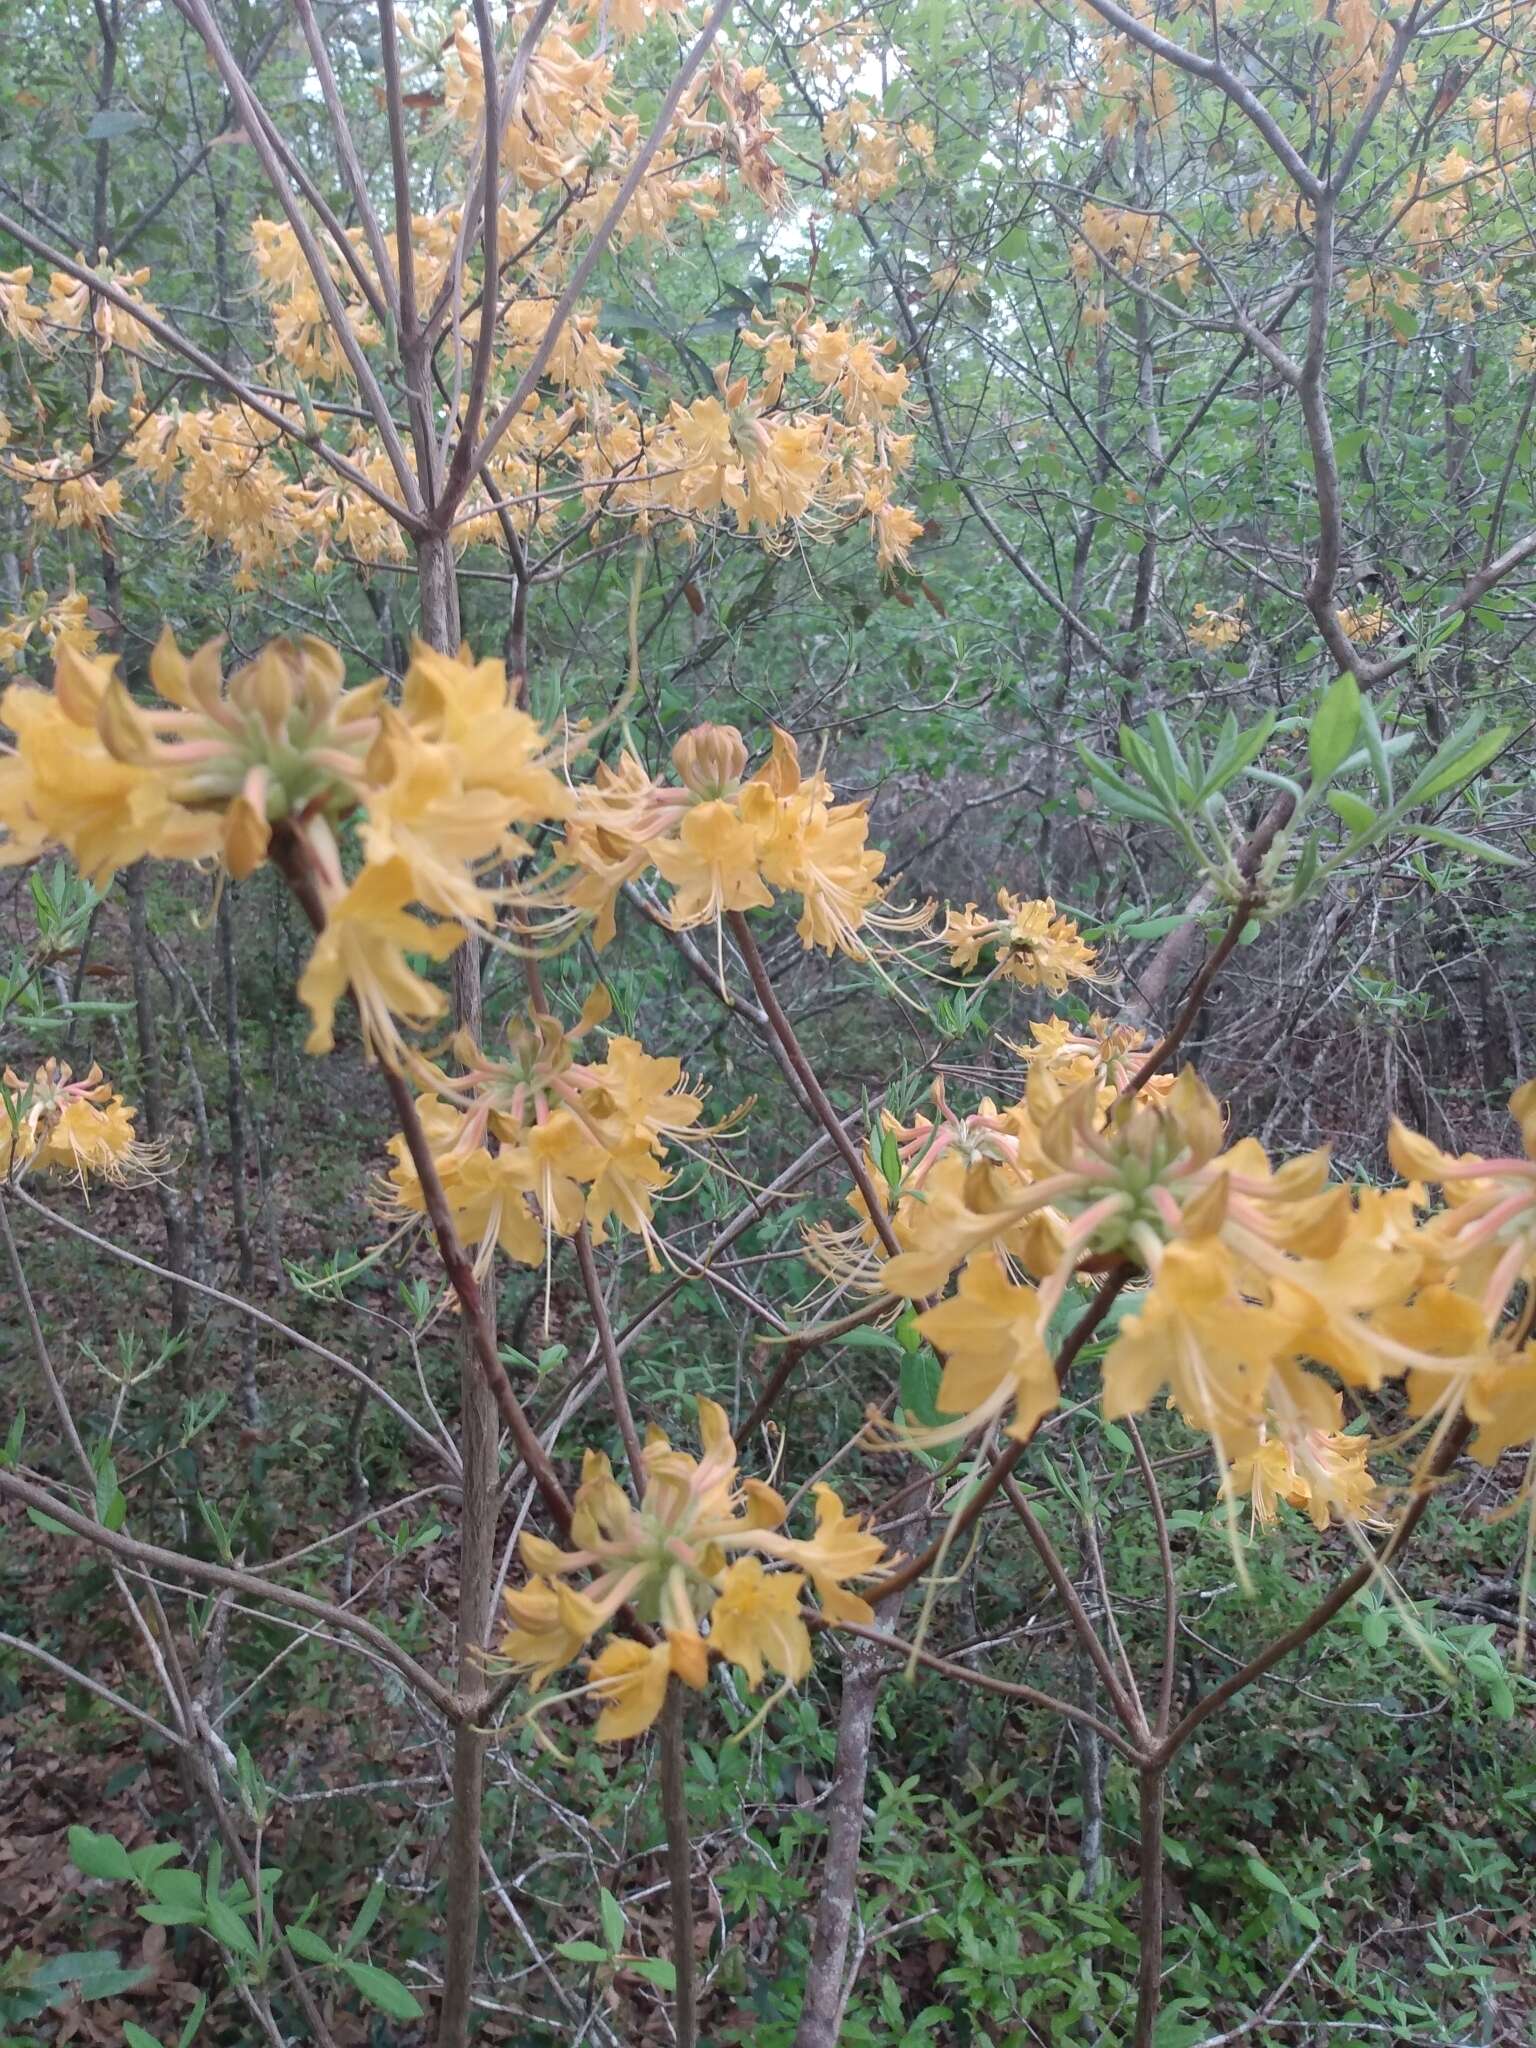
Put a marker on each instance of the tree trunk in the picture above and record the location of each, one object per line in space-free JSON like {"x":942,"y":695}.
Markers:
{"x":826,"y":1991}
{"x":478,"y":1437}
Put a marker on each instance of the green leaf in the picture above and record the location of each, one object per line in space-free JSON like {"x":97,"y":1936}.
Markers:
{"x":41,"y":1521}
{"x":920,"y":1375}
{"x":1375,"y":1627}
{"x":865,"y":1339}
{"x":611,"y":1913}
{"x":582,"y":1952}
{"x":1355,"y":812}
{"x":139,"y":2037}
{"x":174,"y":1916}
{"x":194,"y":2021}
{"x":367,"y":1913}
{"x":175,"y":1887}
{"x":1331,"y":735}
{"x":382,"y":1990}
{"x":655,"y":1969}
{"x":112,"y":122}
{"x":152,"y":1858}
{"x":306,"y":1943}
{"x":1375,"y":746}
{"x":1457,"y":761}
{"x":1475,"y":849}
{"x":100,"y":1856}
{"x":890,"y":1158}
{"x":228,"y":1929}
{"x":1261,"y":1873}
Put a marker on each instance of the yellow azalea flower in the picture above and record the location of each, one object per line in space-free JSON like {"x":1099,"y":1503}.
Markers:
{"x":1300,"y":1453}
{"x":756,"y":1621}
{"x":988,"y":1334}
{"x":367,"y":933}
{"x":725,"y":844}
{"x":68,"y":785}
{"x":57,"y":1123}
{"x":1032,"y":945}
{"x":607,"y":840}
{"x":841,"y":1549}
{"x":529,"y":1143}
{"x":712,"y":865}
{"x":1486,"y":1235}
{"x":550,"y":1623}
{"x":1443,"y":1337}
{"x":1194,"y":1333}
{"x":499,"y":752}
{"x":444,"y":785}
{"x":632,"y":1679}
{"x":676,"y":1558}
{"x":420,"y":811}
{"x":1501,"y":1400}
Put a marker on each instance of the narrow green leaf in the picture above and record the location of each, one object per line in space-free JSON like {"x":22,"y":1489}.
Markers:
{"x":306,"y":1943}
{"x":656,"y":1970}
{"x":1331,"y":735}
{"x":382,"y":1990}
{"x":611,"y":1914}
{"x":1443,"y":774}
{"x":228,"y":1929}
{"x":1260,"y":1871}
{"x":173,"y":1916}
{"x":1475,"y":849}
{"x":367,"y":1913}
{"x":1356,"y":813}
{"x":581,"y":1952}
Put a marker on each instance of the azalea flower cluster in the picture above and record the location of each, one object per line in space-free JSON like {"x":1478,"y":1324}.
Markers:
{"x":1029,"y":943}
{"x":310,"y":475}
{"x":532,"y":1143}
{"x":703,"y":1548}
{"x":443,"y":788}
{"x":444,"y":784}
{"x":722,"y":840}
{"x":58,"y":1122}
{"x":1251,"y":1282}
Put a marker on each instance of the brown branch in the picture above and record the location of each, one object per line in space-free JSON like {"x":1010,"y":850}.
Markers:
{"x":805,"y":1075}
{"x":1124,"y":1704}
{"x":146,"y":1556}
{"x":1211,"y":71}
{"x":674,"y":1812}
{"x":1169,"y":1577}
{"x":1184,"y":1022}
{"x":613,"y":1365}
{"x":346,"y":149}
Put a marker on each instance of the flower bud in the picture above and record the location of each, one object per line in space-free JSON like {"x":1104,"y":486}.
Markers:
{"x":266,"y":687}
{"x":711,"y":759}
